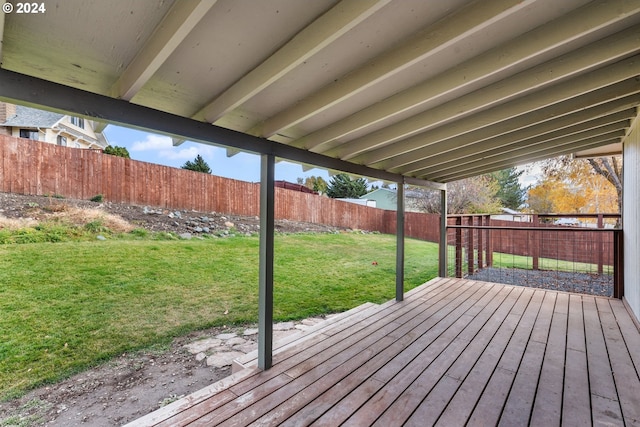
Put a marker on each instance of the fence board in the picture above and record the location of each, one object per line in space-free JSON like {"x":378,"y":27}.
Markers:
{"x":31,"y":167}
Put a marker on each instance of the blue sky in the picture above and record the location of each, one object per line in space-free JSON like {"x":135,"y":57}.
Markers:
{"x":159,"y":149}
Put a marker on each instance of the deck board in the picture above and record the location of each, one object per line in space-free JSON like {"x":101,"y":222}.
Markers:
{"x":454,"y":352}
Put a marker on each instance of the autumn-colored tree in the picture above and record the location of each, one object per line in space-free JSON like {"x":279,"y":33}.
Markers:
{"x":552,"y":196}
{"x":583,"y":185}
{"x":315,"y":183}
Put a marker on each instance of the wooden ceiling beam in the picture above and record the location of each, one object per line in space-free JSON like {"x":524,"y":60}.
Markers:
{"x":179,"y":21}
{"x":569,"y":124}
{"x":435,"y":38}
{"x":579,"y":23}
{"x":549,"y":152}
{"x":321,"y":33}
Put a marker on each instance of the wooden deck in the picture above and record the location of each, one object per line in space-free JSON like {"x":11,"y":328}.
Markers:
{"x":454,"y":353}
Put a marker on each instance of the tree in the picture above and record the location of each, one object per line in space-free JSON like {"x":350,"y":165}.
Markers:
{"x":599,"y":181}
{"x":198,"y":165}
{"x":342,"y":186}
{"x":471,"y":195}
{"x":510,"y":192}
{"x":315,"y":183}
{"x":114,"y":150}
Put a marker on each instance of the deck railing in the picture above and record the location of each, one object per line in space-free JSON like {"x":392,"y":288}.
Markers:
{"x":584,"y":256}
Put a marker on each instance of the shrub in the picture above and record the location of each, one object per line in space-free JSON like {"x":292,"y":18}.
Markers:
{"x":98,"y":198}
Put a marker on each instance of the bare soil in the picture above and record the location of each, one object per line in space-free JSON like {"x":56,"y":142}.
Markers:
{"x":131,"y":385}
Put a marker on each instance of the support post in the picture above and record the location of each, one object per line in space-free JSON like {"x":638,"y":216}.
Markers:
{"x":442,"y":265}
{"x":536,"y":241}
{"x":471,"y":245}
{"x":400,"y":242}
{"x":267,"y":227}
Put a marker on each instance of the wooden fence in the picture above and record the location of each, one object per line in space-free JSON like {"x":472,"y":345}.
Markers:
{"x":37,"y":168}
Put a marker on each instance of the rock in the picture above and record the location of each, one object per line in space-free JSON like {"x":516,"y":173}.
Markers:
{"x":250,"y":331}
{"x":247,"y":348}
{"x":171,"y":215}
{"x":204,"y":219}
{"x":235,"y":341}
{"x":177,"y":214}
{"x":200,"y":357}
{"x":283,"y":326}
{"x":101,"y":237}
{"x":198,"y":229}
{"x":222,"y":359}
{"x":202,"y":346}
{"x":186,"y":236}
{"x":229,"y":224}
{"x":206,"y":230}
{"x":226,"y":336}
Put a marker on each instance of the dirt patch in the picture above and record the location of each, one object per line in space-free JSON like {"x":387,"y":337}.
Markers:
{"x":131,"y":385}
{"x":118,"y":391}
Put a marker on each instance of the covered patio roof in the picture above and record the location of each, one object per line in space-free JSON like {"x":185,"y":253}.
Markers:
{"x":424,"y":89}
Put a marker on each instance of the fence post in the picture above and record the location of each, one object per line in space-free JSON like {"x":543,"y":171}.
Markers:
{"x":480,"y":243}
{"x":443,"y":264}
{"x":459,"y":248}
{"x":470,"y":245}
{"x":535,"y":242}
{"x":618,"y":264}
{"x":599,"y":244}
{"x":489,"y":237}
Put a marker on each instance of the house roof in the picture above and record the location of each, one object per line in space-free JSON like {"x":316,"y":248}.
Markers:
{"x":33,"y":117}
{"x":428,"y":89}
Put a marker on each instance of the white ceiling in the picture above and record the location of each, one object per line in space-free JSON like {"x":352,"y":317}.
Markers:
{"x":432,"y":89}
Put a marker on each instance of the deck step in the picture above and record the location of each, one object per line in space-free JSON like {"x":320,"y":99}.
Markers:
{"x":250,"y":360}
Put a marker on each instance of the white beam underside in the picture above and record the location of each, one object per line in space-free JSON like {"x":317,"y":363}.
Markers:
{"x":609,"y":99}
{"x":183,"y":16}
{"x":559,"y":69}
{"x":325,"y":30}
{"x":570,"y":124}
{"x":489,"y":166}
{"x":531,"y":145}
{"x":436,"y":38}
{"x":540,"y":40}
{"x":403,"y":152}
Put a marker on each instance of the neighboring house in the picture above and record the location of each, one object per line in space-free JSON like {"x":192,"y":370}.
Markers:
{"x":54,"y":128}
{"x":512,"y":215}
{"x":386,"y":198}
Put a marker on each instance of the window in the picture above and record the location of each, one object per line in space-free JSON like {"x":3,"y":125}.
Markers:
{"x":62,"y":141}
{"x":77,"y":121}
{"x":29,"y":134}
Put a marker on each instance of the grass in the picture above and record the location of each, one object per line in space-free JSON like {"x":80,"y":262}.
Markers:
{"x":71,"y":305}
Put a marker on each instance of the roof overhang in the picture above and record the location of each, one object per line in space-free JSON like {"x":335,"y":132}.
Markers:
{"x":418,"y":91}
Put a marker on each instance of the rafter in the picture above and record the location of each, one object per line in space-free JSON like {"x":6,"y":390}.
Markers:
{"x":183,"y":16}
{"x":532,"y":144}
{"x":482,"y":167}
{"x":325,"y":30}
{"x":536,"y":78}
{"x":564,"y":125}
{"x":577,"y":24}
{"x":465,"y":23}
{"x":522,"y":110}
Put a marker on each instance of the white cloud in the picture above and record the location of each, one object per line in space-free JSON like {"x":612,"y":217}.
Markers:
{"x":152,"y":143}
{"x":162,"y":147}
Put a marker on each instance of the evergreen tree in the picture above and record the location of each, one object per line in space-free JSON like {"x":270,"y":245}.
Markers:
{"x":342,"y":186}
{"x":510,"y":192}
{"x":198,"y":165}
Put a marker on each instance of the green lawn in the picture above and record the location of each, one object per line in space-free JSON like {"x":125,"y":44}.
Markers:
{"x":67,"y":306}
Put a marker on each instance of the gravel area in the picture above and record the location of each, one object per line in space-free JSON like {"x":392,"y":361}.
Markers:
{"x":592,"y":284}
